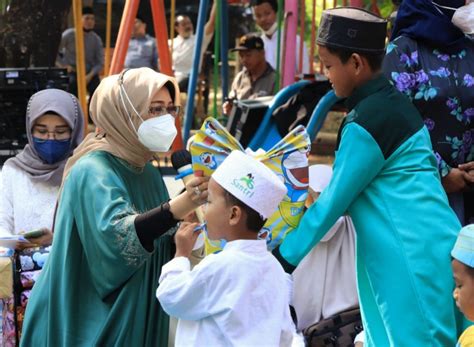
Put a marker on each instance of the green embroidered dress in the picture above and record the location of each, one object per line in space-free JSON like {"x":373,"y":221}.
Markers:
{"x":98,"y":286}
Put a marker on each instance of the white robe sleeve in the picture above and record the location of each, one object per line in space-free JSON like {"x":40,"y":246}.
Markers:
{"x":187,"y":294}
{"x":289,"y":336}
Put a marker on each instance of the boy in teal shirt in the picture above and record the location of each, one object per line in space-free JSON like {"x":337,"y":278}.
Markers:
{"x":385,"y":177}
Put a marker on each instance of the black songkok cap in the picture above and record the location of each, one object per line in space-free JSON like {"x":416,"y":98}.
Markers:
{"x":87,"y":10}
{"x":352,"y":28}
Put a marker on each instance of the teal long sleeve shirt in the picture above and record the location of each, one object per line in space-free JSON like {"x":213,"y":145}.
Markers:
{"x":385,"y":177}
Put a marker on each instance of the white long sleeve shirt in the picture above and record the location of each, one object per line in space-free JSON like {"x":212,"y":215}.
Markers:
{"x":324,"y":282}
{"x":24,"y":205}
{"x":271,"y":45}
{"x":183,"y":54}
{"x":238,"y":297}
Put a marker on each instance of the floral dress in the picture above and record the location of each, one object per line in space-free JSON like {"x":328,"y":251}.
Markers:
{"x":441,"y":86}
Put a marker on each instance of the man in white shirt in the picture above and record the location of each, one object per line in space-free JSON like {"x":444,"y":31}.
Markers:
{"x":184,"y":43}
{"x":240,"y":296}
{"x":265,"y":14}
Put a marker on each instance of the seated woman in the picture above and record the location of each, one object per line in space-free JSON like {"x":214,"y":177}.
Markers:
{"x":30,"y":181}
{"x":112,"y":224}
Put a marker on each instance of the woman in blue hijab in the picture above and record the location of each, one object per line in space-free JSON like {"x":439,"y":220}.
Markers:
{"x":431,"y":60}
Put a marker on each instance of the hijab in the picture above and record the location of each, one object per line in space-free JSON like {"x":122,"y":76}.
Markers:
{"x":422,"y":21}
{"x":67,"y":107}
{"x":113,"y":114}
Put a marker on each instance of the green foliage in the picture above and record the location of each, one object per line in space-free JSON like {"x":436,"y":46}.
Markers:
{"x":3,"y":6}
{"x":385,"y":8}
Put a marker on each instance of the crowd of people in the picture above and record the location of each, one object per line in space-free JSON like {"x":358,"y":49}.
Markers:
{"x":383,"y":254}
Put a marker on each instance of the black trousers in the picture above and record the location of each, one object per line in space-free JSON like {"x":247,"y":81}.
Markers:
{"x":91,"y":86}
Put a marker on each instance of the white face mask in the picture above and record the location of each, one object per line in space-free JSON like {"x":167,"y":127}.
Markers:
{"x":158,"y":133}
{"x":463,"y":16}
{"x":272,"y":29}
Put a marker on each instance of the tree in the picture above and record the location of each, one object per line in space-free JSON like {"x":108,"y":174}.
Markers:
{"x":30,"y":31}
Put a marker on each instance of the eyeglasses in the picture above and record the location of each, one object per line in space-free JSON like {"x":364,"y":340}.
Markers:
{"x":157,"y":111}
{"x":58,"y":134}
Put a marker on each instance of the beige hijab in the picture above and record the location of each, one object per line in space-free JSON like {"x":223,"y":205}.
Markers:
{"x":111,"y":112}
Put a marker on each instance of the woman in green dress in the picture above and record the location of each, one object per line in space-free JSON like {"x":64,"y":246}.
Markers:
{"x":113,"y":224}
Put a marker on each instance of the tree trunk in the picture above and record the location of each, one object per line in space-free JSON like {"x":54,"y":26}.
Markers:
{"x":30,"y":32}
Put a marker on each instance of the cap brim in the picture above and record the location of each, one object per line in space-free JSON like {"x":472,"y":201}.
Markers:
{"x":237,"y":49}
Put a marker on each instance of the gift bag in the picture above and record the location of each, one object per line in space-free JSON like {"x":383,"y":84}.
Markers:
{"x":338,"y":330}
{"x":288,"y":159}
{"x":27,"y":266}
{"x":6,"y":277}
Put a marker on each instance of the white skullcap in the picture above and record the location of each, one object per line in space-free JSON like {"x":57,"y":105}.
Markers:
{"x":319,"y":177}
{"x":251,"y":182}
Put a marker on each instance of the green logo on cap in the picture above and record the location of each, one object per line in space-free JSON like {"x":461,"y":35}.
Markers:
{"x":248,"y":180}
{"x":245,"y":184}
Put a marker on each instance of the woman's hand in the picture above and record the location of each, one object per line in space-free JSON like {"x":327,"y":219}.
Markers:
{"x":194,"y":196}
{"x":45,"y":239}
{"x":196,"y":189}
{"x":185,"y":239}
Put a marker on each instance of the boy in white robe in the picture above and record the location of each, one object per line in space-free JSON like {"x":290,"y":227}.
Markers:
{"x":324,"y":282}
{"x":240,"y":296}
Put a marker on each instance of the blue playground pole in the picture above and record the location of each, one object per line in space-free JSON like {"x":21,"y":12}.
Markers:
{"x":320,"y":113}
{"x":188,"y":116}
{"x":264,"y":130}
{"x":224,"y":48}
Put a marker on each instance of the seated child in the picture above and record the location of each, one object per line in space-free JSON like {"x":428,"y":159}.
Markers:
{"x":324,"y":282}
{"x":240,"y":296}
{"x":463,"y":271}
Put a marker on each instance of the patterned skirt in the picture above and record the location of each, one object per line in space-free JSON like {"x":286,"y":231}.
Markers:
{"x":27,"y":265}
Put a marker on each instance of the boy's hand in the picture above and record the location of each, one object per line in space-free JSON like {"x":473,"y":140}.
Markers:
{"x":455,"y":181}
{"x":469,"y":166}
{"x":185,"y":239}
{"x":469,"y":169}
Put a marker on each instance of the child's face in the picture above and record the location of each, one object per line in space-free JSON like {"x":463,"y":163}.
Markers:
{"x":464,"y":291}
{"x":217,"y":212}
{"x":341,"y":76}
